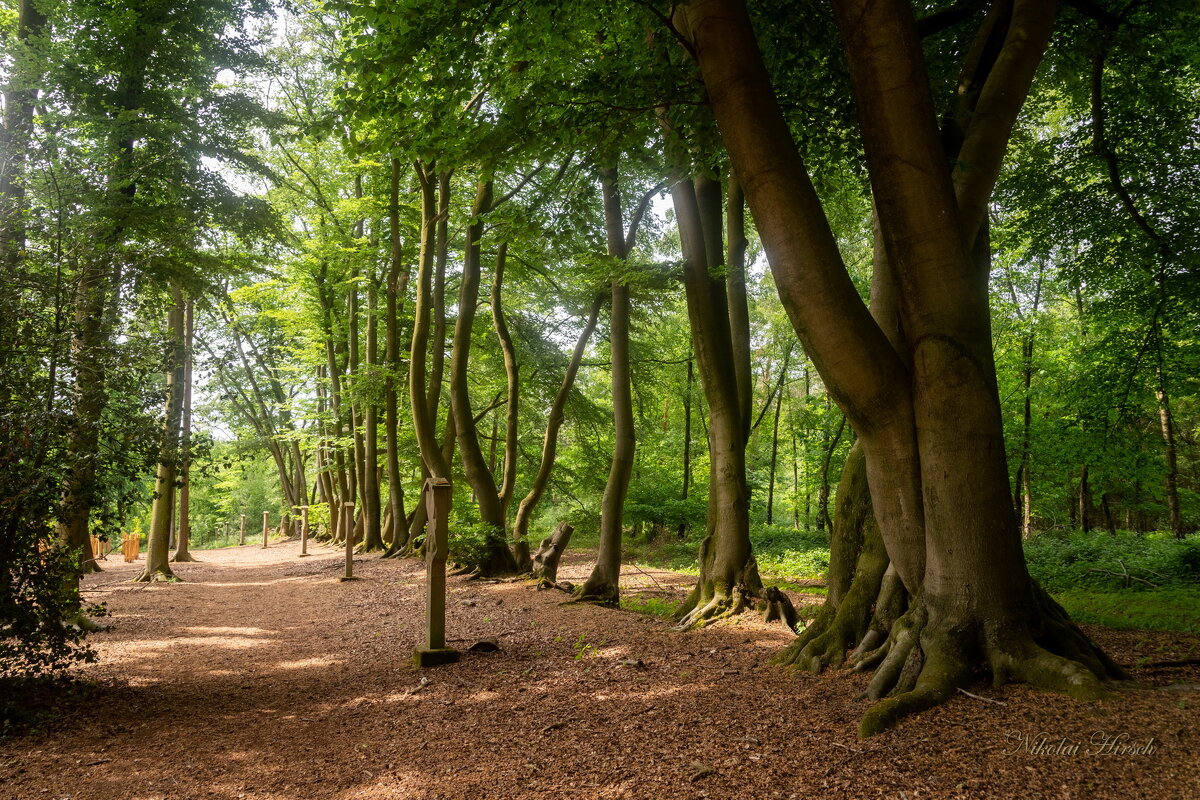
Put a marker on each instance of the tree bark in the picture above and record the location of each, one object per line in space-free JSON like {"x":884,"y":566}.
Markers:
{"x":603,"y":585}
{"x":185,"y":448}
{"x":498,"y":559}
{"x":931,"y":433}
{"x":158,"y":567}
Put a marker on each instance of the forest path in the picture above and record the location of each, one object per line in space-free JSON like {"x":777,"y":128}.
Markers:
{"x":260,"y":675}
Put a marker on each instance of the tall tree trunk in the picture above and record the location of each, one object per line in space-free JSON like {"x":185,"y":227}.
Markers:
{"x":397,"y":289}
{"x":158,"y":567}
{"x":603,"y":585}
{"x":97,"y":292}
{"x":1167,"y":426}
{"x":775,"y":440}
{"x":554,"y":423}
{"x":931,"y":432}
{"x":687,"y":439}
{"x":513,"y":384}
{"x":16,"y":139}
{"x":372,"y":531}
{"x":497,"y":559}
{"x":184,"y":535}
{"x":728,"y":573}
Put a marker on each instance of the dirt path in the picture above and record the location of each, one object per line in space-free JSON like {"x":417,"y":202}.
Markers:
{"x":262,"y":676}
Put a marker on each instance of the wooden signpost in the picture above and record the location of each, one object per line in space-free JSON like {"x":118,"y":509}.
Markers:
{"x":242,"y":535}
{"x":266,"y":527}
{"x":303,"y":531}
{"x":438,"y":498}
{"x":348,"y":527}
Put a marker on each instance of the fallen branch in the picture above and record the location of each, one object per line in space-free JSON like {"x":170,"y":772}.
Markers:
{"x":982,"y":698}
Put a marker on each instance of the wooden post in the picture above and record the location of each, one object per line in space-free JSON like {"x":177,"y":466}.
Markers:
{"x":348,"y":527}
{"x":303,"y":531}
{"x":438,"y":497}
{"x":266,"y":527}
{"x":242,"y":535}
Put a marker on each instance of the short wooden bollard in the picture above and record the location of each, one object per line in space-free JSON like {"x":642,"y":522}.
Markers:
{"x":348,"y":528}
{"x":303,"y":531}
{"x":438,"y":498}
{"x":242,"y":535}
{"x":266,"y":528}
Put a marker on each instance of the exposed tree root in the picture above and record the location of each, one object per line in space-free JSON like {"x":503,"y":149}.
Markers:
{"x":711,"y":601}
{"x":156,"y":576}
{"x":183,"y":557}
{"x":599,"y":592}
{"x":927,"y":657}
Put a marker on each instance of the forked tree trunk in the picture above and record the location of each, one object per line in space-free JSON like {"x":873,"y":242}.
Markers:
{"x":931,"y":431}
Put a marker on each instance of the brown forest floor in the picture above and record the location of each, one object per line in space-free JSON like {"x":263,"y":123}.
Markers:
{"x":262,"y":676}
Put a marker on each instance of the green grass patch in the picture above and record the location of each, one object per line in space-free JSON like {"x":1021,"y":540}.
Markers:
{"x":651,"y":606}
{"x":1156,"y":609}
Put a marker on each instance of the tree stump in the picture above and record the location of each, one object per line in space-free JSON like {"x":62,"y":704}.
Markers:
{"x":545,"y":560}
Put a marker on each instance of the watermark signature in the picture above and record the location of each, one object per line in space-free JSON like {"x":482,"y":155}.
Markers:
{"x":1099,"y":744}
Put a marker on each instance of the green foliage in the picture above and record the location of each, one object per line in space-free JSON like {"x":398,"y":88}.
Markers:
{"x":470,"y":541}
{"x":1176,"y":609}
{"x":1076,"y":561}
{"x":38,"y":596}
{"x":787,"y":552}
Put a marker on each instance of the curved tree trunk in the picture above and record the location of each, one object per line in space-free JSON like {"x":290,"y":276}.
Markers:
{"x":513,"y":385}
{"x":603,"y":585}
{"x":554,"y":423}
{"x":498,"y":558}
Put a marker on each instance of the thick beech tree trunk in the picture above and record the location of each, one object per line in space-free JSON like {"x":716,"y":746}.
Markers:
{"x":158,"y":567}
{"x":554,"y":423}
{"x":931,"y":431}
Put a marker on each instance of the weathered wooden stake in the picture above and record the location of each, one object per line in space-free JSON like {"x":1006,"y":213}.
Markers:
{"x":266,"y":527}
{"x":303,"y":531}
{"x":438,"y":498}
{"x":348,"y":526}
{"x":242,"y":535}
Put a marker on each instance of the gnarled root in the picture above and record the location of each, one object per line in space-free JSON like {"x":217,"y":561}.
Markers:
{"x":156,"y":576}
{"x":184,"y":556}
{"x":600,"y":593}
{"x":712,"y":601}
{"x":928,"y":656}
